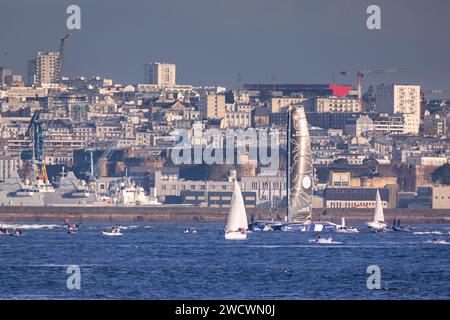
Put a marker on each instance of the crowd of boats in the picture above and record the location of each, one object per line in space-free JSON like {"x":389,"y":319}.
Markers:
{"x":318,"y":237}
{"x":299,"y":187}
{"x":238,"y":228}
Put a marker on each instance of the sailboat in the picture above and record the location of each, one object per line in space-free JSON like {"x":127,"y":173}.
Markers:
{"x":236,"y":228}
{"x":343,"y":228}
{"x":378,"y":215}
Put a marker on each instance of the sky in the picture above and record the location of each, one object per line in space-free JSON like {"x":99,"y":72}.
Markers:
{"x":212,"y":41}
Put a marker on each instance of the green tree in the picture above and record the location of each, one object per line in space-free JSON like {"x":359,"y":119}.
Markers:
{"x":442,"y":175}
{"x":340,"y":161}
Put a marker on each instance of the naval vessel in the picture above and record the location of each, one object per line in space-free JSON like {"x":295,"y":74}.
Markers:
{"x":68,"y":190}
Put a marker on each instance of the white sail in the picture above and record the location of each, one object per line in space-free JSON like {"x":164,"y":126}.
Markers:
{"x":342,"y":222}
{"x":237,"y":217}
{"x":299,"y":165}
{"x":378,"y":214}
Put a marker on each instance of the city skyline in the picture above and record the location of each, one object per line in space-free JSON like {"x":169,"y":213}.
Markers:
{"x":226,"y":39}
{"x":142,"y":141}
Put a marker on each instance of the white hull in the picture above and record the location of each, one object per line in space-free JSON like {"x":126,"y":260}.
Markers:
{"x":322,"y":241}
{"x":309,"y":226}
{"x":348,"y":230}
{"x":236,"y":235}
{"x":24,"y":193}
{"x":111,"y":233}
{"x":377,"y":225}
{"x":237,"y":223}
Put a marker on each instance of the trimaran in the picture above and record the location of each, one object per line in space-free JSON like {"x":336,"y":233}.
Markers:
{"x":299,"y":180}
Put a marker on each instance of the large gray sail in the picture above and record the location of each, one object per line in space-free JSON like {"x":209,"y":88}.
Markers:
{"x":299,"y":165}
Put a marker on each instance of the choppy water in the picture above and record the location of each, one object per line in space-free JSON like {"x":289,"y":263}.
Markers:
{"x":159,"y":261}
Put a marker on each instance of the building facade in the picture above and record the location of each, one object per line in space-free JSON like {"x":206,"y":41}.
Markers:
{"x":44,"y":69}
{"x":4,"y":72}
{"x":345,"y":197}
{"x":162,"y":74}
{"x":336,"y":104}
{"x":212,"y":106}
{"x":435,"y":197}
{"x":401,"y":99}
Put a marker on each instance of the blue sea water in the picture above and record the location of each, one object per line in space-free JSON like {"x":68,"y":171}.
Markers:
{"x":159,"y":261}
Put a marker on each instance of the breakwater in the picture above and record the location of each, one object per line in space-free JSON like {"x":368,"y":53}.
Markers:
{"x":190,"y":213}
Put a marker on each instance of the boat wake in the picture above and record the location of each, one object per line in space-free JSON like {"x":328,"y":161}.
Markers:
{"x":427,"y":232}
{"x":127,"y":227}
{"x":437,"y":242}
{"x":31,"y":226}
{"x":324,"y":241}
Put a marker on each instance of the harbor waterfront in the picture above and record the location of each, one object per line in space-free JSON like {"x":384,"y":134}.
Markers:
{"x":191,"y":213}
{"x":225,"y":155}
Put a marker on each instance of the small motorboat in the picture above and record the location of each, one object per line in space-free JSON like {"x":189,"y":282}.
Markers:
{"x":348,"y":230}
{"x":112,"y":232}
{"x":17,"y":233}
{"x":4,"y":232}
{"x":190,"y":230}
{"x":343,"y":228}
{"x":321,"y":240}
{"x":397,"y":227}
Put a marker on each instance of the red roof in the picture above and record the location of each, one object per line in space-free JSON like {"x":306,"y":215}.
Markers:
{"x":340,"y":91}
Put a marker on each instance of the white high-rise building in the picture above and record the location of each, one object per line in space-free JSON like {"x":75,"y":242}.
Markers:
{"x":401,"y":99}
{"x":162,"y":74}
{"x":44,"y":69}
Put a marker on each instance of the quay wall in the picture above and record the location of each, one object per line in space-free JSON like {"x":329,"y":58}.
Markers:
{"x":190,"y":213}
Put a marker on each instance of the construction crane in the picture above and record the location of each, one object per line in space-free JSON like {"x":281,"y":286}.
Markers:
{"x":36,"y":133}
{"x":95,"y":168}
{"x":61,"y":53}
{"x":361,"y":73}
